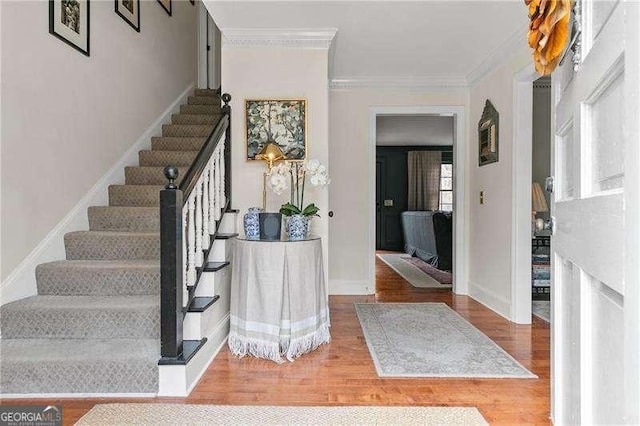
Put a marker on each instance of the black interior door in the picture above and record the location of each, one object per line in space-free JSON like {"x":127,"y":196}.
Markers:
{"x":391,"y":199}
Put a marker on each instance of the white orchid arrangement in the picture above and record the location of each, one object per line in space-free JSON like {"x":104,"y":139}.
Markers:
{"x":293,"y":176}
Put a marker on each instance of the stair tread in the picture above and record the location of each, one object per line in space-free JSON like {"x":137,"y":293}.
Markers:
{"x":90,"y":303}
{"x":226,"y":235}
{"x":103,"y":264}
{"x":215,"y":266}
{"x":200,"y":304}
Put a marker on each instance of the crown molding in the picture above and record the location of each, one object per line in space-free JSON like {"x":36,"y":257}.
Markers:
{"x":409,"y":83}
{"x":514,"y":45}
{"x":305,"y":38}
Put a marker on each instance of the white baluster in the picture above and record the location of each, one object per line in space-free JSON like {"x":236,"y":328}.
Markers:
{"x":185,"y":292}
{"x":199,"y":256}
{"x":191,"y":244}
{"x":206,"y":241}
{"x":212,"y":201}
{"x":217,"y":183}
{"x":223,"y":196}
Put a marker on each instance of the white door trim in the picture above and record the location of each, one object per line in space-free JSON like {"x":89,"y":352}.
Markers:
{"x":461,"y":213}
{"x":522,"y":158}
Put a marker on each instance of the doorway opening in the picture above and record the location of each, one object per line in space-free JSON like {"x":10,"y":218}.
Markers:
{"x":417,"y":167}
{"x":414,"y":197}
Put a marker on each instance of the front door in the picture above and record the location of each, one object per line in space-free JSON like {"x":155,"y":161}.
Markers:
{"x":595,"y":371}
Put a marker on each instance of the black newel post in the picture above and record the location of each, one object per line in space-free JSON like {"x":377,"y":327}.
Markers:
{"x":171,"y":267}
{"x":226,"y":109}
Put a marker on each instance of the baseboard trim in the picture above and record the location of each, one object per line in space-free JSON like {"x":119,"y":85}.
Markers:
{"x":21,"y":282}
{"x":350,"y":287}
{"x":499,"y":305}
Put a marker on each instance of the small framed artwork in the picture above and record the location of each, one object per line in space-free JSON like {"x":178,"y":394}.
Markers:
{"x":69,"y":21}
{"x":283,"y":121}
{"x":166,"y":5}
{"x":488,"y":135}
{"x":129,"y":10}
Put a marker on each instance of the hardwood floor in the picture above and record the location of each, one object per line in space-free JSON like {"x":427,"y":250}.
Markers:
{"x":342,"y":373}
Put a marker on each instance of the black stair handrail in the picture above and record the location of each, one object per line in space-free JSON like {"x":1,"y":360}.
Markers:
{"x":172,"y":201}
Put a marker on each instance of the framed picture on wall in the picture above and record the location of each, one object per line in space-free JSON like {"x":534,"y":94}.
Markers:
{"x":69,"y":21}
{"x":166,"y":5}
{"x":488,"y":135}
{"x":283,"y":121}
{"x":129,"y":10}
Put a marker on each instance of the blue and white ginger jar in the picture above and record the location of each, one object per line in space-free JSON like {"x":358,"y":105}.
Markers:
{"x":252,"y":223}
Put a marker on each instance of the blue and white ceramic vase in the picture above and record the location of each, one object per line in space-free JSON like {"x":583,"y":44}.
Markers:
{"x":252,"y":223}
{"x":297,"y":227}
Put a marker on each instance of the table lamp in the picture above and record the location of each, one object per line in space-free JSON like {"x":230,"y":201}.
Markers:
{"x":270,"y":153}
{"x":538,"y":205}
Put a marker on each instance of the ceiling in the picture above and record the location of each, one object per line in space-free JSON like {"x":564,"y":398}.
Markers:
{"x":390,"y":39}
{"x":414,"y":130}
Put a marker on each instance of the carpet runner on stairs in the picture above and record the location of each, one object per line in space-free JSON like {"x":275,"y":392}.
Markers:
{"x":94,"y":326}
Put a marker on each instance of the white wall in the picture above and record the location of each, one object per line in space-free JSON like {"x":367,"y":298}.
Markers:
{"x":278,"y":73}
{"x":67,"y":118}
{"x":350,"y":197}
{"x":491,"y":223}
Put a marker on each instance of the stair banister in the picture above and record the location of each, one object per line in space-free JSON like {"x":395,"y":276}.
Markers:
{"x":189,"y":217}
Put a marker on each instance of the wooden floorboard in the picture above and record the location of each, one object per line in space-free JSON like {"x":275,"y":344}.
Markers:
{"x":342,"y":373}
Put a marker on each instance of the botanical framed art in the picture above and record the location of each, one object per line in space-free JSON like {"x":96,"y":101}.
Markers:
{"x":488,"y":135}
{"x":283,"y":121}
{"x":69,"y":21}
{"x":166,"y":5}
{"x":129,"y":10}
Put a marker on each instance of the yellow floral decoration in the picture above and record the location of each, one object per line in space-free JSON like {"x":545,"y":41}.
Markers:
{"x":548,"y":32}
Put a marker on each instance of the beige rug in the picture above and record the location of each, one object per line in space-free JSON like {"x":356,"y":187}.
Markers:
{"x":409,"y":272}
{"x":173,"y":414}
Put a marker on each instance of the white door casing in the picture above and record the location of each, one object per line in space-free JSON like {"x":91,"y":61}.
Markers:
{"x":595,"y":245}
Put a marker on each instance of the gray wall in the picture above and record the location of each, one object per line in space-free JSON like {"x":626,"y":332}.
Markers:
{"x":541,"y":135}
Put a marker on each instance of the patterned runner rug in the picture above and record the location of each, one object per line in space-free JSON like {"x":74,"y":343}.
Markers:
{"x":431,"y":340}
{"x":414,"y":275}
{"x":194,"y":414}
{"x":443,"y":277}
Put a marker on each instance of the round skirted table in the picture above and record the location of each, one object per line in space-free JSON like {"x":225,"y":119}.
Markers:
{"x":279,"y":304}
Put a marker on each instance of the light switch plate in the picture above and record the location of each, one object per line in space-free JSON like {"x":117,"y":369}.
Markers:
{"x":388,"y":203}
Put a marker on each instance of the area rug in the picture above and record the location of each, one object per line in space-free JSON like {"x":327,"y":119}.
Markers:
{"x":184,"y":414}
{"x":542,"y":309}
{"x":414,"y":275}
{"x":431,"y":340}
{"x":443,"y":277}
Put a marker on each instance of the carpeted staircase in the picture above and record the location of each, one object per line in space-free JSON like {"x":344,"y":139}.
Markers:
{"x":94,"y":326}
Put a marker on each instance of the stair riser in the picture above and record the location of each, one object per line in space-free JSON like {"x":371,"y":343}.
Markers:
{"x":201,"y":324}
{"x":132,"y":195}
{"x":124,"y":219}
{"x":200,"y":109}
{"x":177,"y":144}
{"x":166,"y":158}
{"x":203,"y":100}
{"x":68,"y":280}
{"x":57,"y":377}
{"x":186,"y":130}
{"x":150,"y":175}
{"x":88,"y":246}
{"x":211,"y":282}
{"x":81,"y":324}
{"x":194,"y":119}
{"x":221,"y":250}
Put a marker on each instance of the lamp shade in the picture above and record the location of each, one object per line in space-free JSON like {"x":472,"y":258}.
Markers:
{"x":270,"y":153}
{"x":538,"y":201}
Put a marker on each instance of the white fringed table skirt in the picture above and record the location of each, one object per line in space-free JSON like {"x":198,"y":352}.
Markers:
{"x":279,"y":304}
